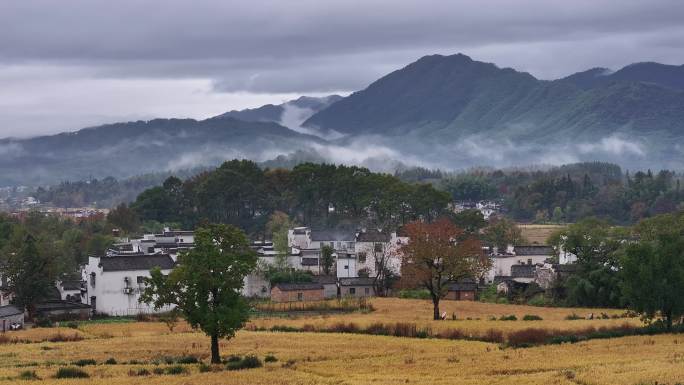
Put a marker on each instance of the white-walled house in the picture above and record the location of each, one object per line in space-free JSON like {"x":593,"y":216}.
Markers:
{"x":114,"y":283}
{"x":521,"y":255}
{"x":362,"y":250}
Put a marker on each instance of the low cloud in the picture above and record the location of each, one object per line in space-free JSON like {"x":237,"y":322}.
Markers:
{"x":614,"y":145}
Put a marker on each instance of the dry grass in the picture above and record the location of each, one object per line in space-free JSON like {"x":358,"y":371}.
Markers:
{"x":472,"y":317}
{"x":538,"y":234}
{"x":315,"y":358}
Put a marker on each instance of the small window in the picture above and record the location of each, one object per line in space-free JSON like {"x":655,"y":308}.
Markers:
{"x":93,"y":303}
{"x":352,"y":290}
{"x":140,"y":279}
{"x":367,"y":291}
{"x":529,"y":261}
{"x":378,"y":247}
{"x":300,"y":296}
{"x":346,"y":267}
{"x":92,"y":279}
{"x":362,"y":257}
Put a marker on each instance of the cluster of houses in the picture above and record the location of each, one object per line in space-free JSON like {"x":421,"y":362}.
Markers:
{"x":113,"y":283}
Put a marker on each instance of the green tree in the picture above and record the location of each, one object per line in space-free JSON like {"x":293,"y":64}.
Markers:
{"x":502,"y":232}
{"x":653,"y":268}
{"x":30,"y":274}
{"x":596,"y":244}
{"x":205,"y":285}
{"x":327,"y":259}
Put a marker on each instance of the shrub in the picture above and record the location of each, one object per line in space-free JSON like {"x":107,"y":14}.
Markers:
{"x":540,"y":300}
{"x":71,"y":373}
{"x":28,"y":375}
{"x":270,"y":358}
{"x":511,"y":317}
{"x":85,"y":362}
{"x":139,"y":372}
{"x":72,"y":325}
{"x":248,"y":362}
{"x":43,"y":322}
{"x":158,"y":371}
{"x":59,"y":337}
{"x":110,"y":361}
{"x":491,"y":335}
{"x":573,"y":316}
{"x":531,"y":317}
{"x":414,"y":294}
{"x":528,"y":337}
{"x":233,"y":358}
{"x":204,"y":368}
{"x":176,"y":369}
{"x":187,"y":360}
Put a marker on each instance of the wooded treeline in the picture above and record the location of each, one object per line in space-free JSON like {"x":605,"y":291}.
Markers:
{"x":567,"y":193}
{"x":239,"y":192}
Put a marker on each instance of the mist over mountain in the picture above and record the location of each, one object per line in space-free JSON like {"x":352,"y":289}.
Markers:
{"x":290,"y":114}
{"x":454,"y":109}
{"x":132,"y":148}
{"x":448,"y":112}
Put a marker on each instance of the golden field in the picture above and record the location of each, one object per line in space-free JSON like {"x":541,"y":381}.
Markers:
{"x":320,"y":358}
{"x":470,"y":316}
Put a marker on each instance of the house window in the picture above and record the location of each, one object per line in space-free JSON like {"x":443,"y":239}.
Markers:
{"x":141,"y":280}
{"x":529,"y":261}
{"x":362,"y":257}
{"x":367,"y":291}
{"x":93,"y":303}
{"x":346,"y":267}
{"x":92,"y":279}
{"x":352,"y":290}
{"x":300,"y":296}
{"x":378,"y":247}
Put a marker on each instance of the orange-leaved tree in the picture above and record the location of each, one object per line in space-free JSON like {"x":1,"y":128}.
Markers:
{"x":438,"y":253}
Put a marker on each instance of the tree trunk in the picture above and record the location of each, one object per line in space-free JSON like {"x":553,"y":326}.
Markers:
{"x":435,"y":305}
{"x":215,"y":355}
{"x":668,"y":319}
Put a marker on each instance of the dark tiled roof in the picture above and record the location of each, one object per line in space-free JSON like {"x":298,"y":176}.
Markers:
{"x":357,"y":281}
{"x":325,"y":279}
{"x":71,"y":285}
{"x":466,"y":284}
{"x":9,"y":310}
{"x":533,"y":250}
{"x":523,"y":271}
{"x":373,"y":235}
{"x":299,"y":286}
{"x":566,"y":268}
{"x":136,"y":262}
{"x":309,"y":261}
{"x":60,"y":305}
{"x":333,"y":235}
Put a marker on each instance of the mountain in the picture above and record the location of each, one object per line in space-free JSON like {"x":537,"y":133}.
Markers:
{"x":448,"y":112}
{"x":452,"y":110}
{"x":305,"y":105}
{"x":655,"y":73}
{"x":453,"y":96}
{"x":125,"y":149}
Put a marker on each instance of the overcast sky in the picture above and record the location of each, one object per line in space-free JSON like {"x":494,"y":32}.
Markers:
{"x":69,"y":64}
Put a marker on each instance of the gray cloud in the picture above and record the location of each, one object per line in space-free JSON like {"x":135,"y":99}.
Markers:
{"x":232,"y":51}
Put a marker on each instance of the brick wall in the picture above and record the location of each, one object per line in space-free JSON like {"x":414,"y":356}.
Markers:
{"x":278,"y":295}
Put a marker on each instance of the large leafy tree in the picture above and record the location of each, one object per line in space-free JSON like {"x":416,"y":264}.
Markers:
{"x":205,"y":286}
{"x":653,"y":268}
{"x":596,"y":244}
{"x":30,"y":273}
{"x":436,"y":254}
{"x":502,"y":232}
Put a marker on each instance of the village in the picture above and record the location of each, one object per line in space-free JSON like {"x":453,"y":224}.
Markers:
{"x":360,"y":262}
